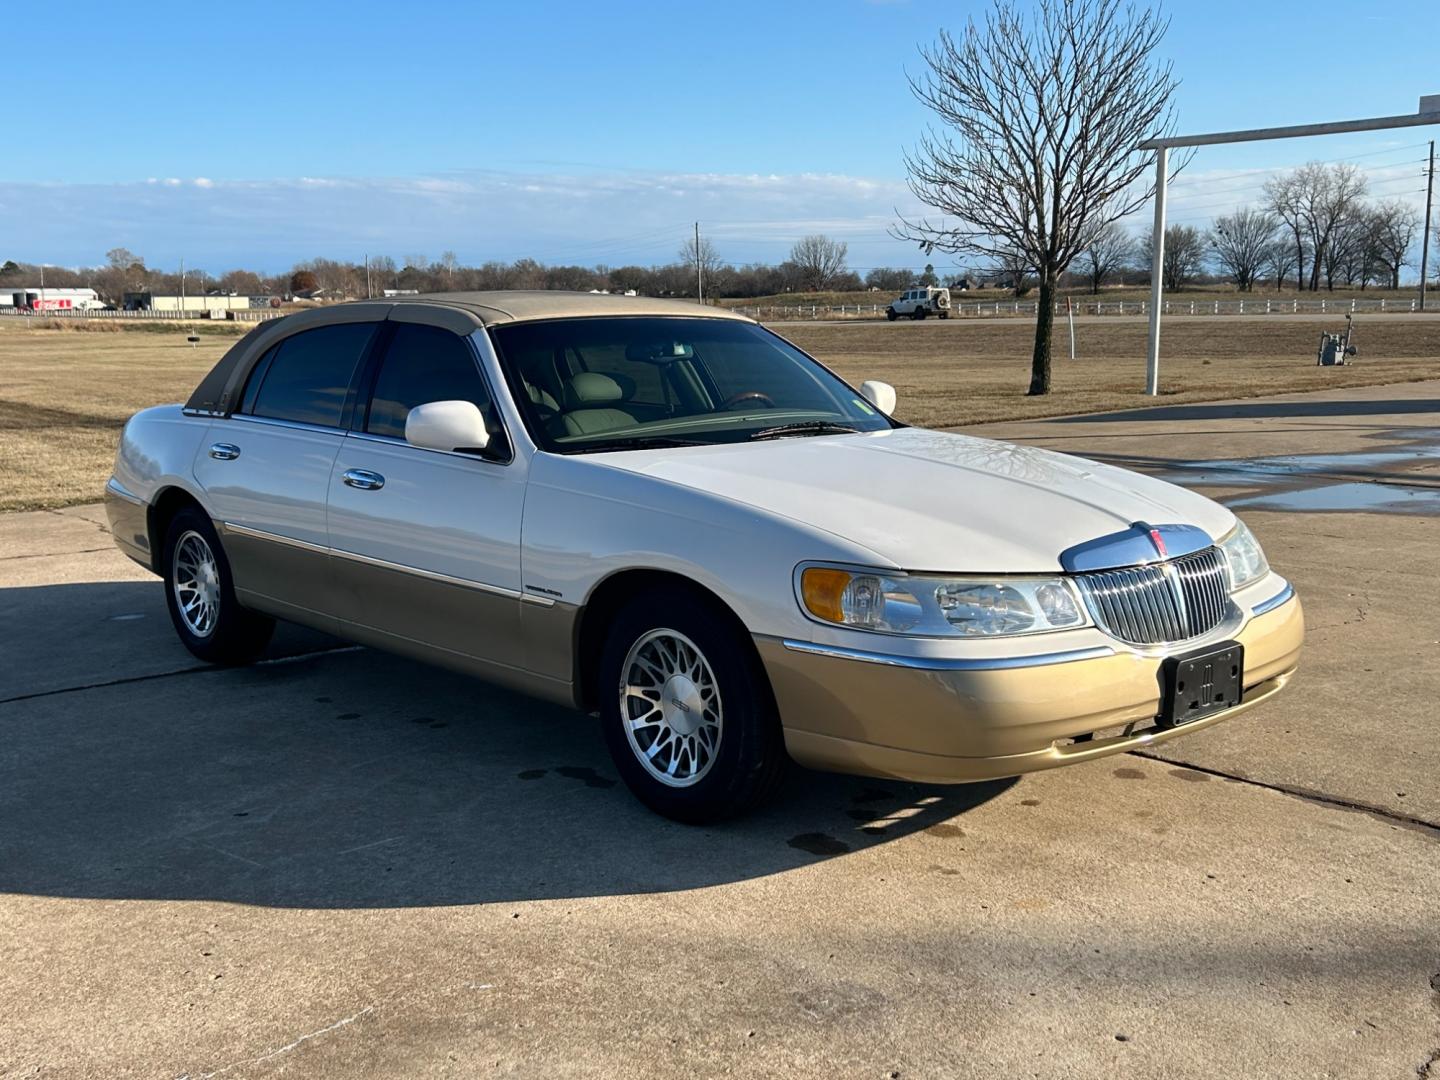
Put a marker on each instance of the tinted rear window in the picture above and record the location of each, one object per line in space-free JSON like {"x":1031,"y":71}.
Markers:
{"x":309,"y":376}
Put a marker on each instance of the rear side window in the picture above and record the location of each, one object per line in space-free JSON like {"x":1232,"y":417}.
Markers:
{"x":424,"y":364}
{"x":308,"y":376}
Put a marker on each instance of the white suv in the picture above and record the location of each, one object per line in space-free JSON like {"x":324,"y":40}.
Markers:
{"x":920,"y":301}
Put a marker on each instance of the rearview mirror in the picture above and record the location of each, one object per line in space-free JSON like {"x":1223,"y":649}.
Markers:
{"x":658,"y":352}
{"x":880,"y":394}
{"x":447,"y":425}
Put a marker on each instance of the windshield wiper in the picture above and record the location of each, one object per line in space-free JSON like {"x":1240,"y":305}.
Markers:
{"x":639,"y":442}
{"x":804,"y":427}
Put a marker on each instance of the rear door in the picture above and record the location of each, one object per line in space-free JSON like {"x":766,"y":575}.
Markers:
{"x":426,"y":544}
{"x":266,"y":468}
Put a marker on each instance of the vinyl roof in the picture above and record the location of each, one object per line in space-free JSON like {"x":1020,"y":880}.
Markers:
{"x":520,"y":305}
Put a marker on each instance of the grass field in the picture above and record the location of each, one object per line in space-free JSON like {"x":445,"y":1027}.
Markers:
{"x":64,"y":394}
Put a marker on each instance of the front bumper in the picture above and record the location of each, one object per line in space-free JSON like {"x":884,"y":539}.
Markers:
{"x":951,"y":724}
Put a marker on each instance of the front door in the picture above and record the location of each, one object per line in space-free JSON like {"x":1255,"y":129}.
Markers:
{"x":426,"y":544}
{"x":265,"y":470}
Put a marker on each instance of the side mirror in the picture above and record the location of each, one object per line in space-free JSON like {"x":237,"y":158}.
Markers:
{"x":447,"y":425}
{"x":880,"y":394}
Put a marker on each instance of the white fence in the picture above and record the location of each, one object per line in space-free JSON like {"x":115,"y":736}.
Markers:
{"x":236,"y":315}
{"x":989,"y":309}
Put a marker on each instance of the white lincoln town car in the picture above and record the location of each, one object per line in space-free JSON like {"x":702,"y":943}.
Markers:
{"x":672,"y":517}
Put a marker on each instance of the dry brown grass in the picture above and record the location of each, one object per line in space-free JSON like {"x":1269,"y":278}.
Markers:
{"x":65,"y":395}
{"x":953,"y":373}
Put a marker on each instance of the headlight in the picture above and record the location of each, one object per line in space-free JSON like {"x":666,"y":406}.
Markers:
{"x":941,"y":606}
{"x":1243,"y":558}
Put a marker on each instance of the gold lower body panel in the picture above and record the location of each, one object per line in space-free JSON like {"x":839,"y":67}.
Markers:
{"x":948,"y":726}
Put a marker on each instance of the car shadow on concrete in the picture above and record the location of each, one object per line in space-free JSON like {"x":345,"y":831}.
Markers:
{"x":356,"y":779}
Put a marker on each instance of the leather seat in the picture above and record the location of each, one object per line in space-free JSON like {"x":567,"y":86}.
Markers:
{"x":589,"y":399}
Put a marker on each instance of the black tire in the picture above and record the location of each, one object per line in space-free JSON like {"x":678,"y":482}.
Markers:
{"x":919,"y":313}
{"x":749,"y":757}
{"x":232,"y":634}
{"x":890,"y":314}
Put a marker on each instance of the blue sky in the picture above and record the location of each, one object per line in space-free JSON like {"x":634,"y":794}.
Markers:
{"x":260,"y":134}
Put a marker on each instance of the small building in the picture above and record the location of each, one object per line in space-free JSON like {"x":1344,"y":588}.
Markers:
{"x":144,"y":301}
{"x":34,"y":298}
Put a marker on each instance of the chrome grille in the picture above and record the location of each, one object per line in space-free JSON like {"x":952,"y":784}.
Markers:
{"x":1170,"y":601}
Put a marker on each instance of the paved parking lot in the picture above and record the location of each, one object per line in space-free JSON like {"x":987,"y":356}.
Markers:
{"x":342,"y":863}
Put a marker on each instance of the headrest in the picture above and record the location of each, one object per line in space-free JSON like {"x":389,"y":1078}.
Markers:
{"x":590,"y":388}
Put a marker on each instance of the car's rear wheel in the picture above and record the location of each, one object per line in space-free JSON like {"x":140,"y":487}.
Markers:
{"x":688,"y":714}
{"x":918,"y":313}
{"x":890,"y":314}
{"x":200,"y":594}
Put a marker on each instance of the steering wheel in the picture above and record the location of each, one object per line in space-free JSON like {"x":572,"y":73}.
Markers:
{"x":749,"y":395}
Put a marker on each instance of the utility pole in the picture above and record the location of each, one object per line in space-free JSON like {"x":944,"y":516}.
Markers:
{"x":368,"y":293}
{"x":42,"y":286}
{"x":182,"y":283}
{"x":699,"y":280}
{"x":1425,"y":239}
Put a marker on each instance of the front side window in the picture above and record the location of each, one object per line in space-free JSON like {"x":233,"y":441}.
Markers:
{"x":424,"y":364}
{"x":306,"y":378}
{"x":628,"y":382}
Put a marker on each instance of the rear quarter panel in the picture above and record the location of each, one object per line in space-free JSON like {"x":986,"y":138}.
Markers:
{"x":157,"y":451}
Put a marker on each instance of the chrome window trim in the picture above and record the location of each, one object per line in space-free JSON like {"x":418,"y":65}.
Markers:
{"x":1282,"y":597}
{"x":384,"y":564}
{"x":942,"y":663}
{"x":294,"y":425}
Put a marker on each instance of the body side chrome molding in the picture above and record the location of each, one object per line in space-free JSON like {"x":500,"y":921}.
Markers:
{"x":383,"y":564}
{"x":1275,"y":601}
{"x":276,"y":538}
{"x":940,"y":663}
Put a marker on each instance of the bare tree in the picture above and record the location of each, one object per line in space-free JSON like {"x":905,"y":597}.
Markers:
{"x":1328,"y":196}
{"x":1107,"y":251}
{"x":1042,"y":116}
{"x":1184,"y":255}
{"x":1280,"y":258}
{"x":818,"y":260}
{"x":448,"y":262}
{"x":1241,"y":242}
{"x":887,"y":279}
{"x":703,"y":258}
{"x":1393,"y":227}
{"x":1283,"y":199}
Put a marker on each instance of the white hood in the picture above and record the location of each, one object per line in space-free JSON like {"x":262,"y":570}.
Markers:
{"x":931,"y":500}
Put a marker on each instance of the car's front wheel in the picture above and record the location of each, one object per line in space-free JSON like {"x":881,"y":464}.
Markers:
{"x":200,"y":594}
{"x":890,"y":314}
{"x":688,"y":714}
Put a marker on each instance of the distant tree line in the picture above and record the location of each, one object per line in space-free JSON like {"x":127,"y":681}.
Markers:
{"x":816,"y":264}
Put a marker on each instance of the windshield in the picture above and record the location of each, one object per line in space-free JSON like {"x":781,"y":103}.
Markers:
{"x":586,"y":385}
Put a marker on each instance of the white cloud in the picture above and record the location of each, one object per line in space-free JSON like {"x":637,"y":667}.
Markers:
{"x":204,"y":182}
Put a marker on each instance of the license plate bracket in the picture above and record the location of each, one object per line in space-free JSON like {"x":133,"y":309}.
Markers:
{"x":1201,"y":684}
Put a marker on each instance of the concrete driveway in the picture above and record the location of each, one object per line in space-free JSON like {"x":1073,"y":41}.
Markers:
{"x":338,"y":863}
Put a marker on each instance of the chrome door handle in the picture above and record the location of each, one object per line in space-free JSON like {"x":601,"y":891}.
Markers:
{"x":364,"y":479}
{"x":224,"y":451}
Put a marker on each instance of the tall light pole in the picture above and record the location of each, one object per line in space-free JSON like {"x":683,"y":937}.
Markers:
{"x":699,"y":279}
{"x":1157,"y":272}
{"x":1425,"y":237}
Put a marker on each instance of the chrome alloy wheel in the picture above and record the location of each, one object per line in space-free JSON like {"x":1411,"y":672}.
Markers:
{"x":670,"y":706}
{"x":196,"y":578}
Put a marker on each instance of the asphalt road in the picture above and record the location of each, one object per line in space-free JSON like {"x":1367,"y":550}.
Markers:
{"x":338,"y":863}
